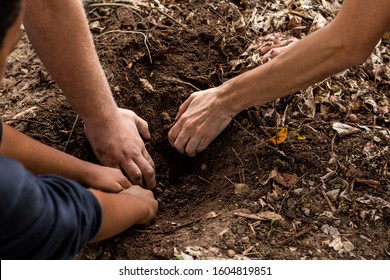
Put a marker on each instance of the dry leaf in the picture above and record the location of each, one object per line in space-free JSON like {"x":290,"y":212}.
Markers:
{"x":278,"y":138}
{"x":344,"y":129}
{"x":262,"y":216}
{"x":300,"y":138}
{"x":146,"y":85}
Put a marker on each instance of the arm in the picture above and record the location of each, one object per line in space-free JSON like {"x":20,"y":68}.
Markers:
{"x":346,"y":41}
{"x":60,"y":35}
{"x":125,"y":209}
{"x":42,"y":159}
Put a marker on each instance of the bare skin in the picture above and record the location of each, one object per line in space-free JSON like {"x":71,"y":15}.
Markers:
{"x":132,"y":205}
{"x":347,"y":41}
{"x":68,"y":52}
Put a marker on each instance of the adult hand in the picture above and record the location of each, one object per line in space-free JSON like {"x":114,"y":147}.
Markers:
{"x":104,"y":178}
{"x":117,"y":143}
{"x":200,"y":119}
{"x":147,"y":204}
{"x":271,"y":45}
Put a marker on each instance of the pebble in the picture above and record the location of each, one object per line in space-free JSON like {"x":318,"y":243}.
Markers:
{"x":353,"y":118}
{"x":231,"y":253}
{"x":245,"y":239}
{"x":333,"y":194}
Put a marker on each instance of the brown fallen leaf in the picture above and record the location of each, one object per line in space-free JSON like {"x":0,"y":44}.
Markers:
{"x":284,"y":179}
{"x":262,"y":216}
{"x":146,"y":85}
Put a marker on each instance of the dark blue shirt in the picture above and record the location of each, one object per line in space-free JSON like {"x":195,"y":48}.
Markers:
{"x":43,"y":217}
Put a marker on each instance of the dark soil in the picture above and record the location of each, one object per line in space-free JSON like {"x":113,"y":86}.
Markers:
{"x":332,"y":192}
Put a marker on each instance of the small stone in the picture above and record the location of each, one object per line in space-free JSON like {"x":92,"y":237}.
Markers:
{"x":203,"y":167}
{"x":298,"y":192}
{"x":333,"y":194}
{"x":245,"y":239}
{"x":231,"y":253}
{"x":353,"y":118}
{"x":306,"y":211}
{"x":348,"y":246}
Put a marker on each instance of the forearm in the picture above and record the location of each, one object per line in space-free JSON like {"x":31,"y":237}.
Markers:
{"x":345,"y":42}
{"x":59,"y":32}
{"x":42,"y":159}
{"x":119,"y":212}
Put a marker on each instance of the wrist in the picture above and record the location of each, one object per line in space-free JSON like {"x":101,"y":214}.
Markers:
{"x":232,"y":96}
{"x":101,"y":117}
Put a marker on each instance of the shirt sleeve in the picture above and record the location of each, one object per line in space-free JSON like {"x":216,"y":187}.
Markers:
{"x":44,"y":217}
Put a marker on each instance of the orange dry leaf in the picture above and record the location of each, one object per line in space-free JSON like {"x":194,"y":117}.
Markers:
{"x":278,"y":138}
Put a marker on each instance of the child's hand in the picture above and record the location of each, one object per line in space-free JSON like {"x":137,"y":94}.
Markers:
{"x":147,"y":204}
{"x":106,"y":179}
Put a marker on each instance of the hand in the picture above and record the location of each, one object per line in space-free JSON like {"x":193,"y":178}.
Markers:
{"x":272,"y":45}
{"x":200,"y":119}
{"x":117,"y":143}
{"x":147,"y":203}
{"x":104,"y":178}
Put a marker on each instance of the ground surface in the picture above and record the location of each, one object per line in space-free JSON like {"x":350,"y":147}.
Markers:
{"x":317,"y":195}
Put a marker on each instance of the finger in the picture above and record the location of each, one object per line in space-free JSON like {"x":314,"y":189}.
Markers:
{"x":192,"y":145}
{"x":124,"y":183}
{"x":183,"y":107}
{"x":268,"y":48}
{"x":148,"y":158}
{"x":174,"y":132}
{"x":203,"y":144}
{"x":143,"y":128}
{"x":133,"y":172}
{"x":148,"y":174}
{"x":181,"y":141}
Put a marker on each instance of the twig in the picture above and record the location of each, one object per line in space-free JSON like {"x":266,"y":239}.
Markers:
{"x":230,"y":181}
{"x":71,"y":133}
{"x":177,"y":80}
{"x":187,"y":224}
{"x":299,"y":234}
{"x":132,"y":32}
{"x":238,"y":156}
{"x":207,"y":181}
{"x":265,"y":9}
{"x":172,"y":18}
{"x":244,"y":253}
{"x":25,"y":120}
{"x":332,"y":208}
{"x":243,"y":128}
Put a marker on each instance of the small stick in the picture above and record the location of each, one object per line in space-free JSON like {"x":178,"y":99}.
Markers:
{"x":172,"y":18}
{"x":177,"y":80}
{"x":248,"y":250}
{"x":132,"y":32}
{"x":71,"y":132}
{"x":299,"y":234}
{"x":332,"y":208}
{"x":243,"y":128}
{"x":207,"y":181}
{"x":238,"y":156}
